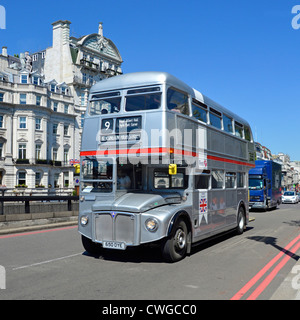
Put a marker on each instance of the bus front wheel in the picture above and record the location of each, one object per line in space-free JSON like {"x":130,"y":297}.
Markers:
{"x":174,"y":248}
{"x":90,"y":246}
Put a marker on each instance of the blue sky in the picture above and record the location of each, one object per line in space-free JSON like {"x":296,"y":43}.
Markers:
{"x":243,"y":54}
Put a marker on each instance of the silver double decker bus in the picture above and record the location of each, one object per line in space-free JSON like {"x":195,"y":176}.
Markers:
{"x":160,"y":163}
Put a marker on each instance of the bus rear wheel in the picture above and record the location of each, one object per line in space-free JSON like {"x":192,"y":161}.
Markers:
{"x":241,"y":221}
{"x":174,"y":248}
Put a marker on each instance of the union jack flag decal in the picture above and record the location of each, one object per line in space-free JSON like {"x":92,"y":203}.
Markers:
{"x":203,"y":205}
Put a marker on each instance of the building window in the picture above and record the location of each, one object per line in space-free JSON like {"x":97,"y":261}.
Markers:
{"x":22,"y":151}
{"x":66,"y":156}
{"x":52,"y":87}
{"x":1,"y":121}
{"x":55,"y":154}
{"x":56,"y":178}
{"x":82,"y":120}
{"x":24,"y":78}
{"x":66,"y":129}
{"x":38,"y":123}
{"x":82,"y":98}
{"x":66,"y":179}
{"x":23,"y":98}
{"x":1,"y":150}
{"x":55,"y":104}
{"x":38,"y":100}
{"x":54,"y":128}
{"x":66,"y":108}
{"x":84,"y":77}
{"x":38,"y":151}
{"x":35,"y":80}
{"x":22,"y":123}
{"x":38,"y":178}
{"x":21,"y":178}
{"x":1,"y":96}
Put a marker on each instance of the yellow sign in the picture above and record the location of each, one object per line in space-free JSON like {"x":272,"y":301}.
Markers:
{"x":172,"y":168}
{"x":77,"y":168}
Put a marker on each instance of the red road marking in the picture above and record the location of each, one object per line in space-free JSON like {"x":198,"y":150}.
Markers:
{"x":35,"y":232}
{"x":267,"y":281}
{"x":272,"y":275}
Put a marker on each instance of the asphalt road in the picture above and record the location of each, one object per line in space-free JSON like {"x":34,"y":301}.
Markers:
{"x":52,"y":264}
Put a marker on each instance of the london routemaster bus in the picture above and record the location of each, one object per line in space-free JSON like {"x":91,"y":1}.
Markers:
{"x":160,"y":163}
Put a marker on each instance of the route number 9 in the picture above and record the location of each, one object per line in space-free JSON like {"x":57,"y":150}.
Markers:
{"x":107,"y":125}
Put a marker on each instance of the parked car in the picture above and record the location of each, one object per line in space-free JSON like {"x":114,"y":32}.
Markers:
{"x":290,"y":197}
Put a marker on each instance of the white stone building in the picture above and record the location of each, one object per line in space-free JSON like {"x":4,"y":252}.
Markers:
{"x":43,"y":97}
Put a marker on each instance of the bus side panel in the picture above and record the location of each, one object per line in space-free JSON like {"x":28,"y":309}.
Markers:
{"x":90,"y":134}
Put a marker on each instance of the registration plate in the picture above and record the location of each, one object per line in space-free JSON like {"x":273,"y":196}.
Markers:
{"x":114,"y":245}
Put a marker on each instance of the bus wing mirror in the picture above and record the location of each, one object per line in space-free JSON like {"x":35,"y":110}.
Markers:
{"x":172,"y":169}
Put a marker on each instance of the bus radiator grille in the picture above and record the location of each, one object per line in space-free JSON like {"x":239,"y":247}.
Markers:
{"x":117,"y":227}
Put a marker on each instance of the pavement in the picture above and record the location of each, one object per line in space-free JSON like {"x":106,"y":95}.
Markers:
{"x":290,"y":287}
{"x":288,"y":290}
{"x":11,"y":227}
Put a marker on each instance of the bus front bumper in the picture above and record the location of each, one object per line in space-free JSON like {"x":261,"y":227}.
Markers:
{"x":119,"y":230}
{"x":257,"y":205}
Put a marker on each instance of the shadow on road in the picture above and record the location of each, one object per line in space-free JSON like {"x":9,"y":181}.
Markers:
{"x":293,"y":223}
{"x":151,"y":253}
{"x":273,"y":242}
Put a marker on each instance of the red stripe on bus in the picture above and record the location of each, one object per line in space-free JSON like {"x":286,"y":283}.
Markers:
{"x":230,"y":161}
{"x":124,"y":151}
{"x":159,"y":150}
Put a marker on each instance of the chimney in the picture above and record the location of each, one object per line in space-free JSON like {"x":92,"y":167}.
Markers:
{"x":100,"y":29}
{"x":4,"y":51}
{"x":61,"y":32}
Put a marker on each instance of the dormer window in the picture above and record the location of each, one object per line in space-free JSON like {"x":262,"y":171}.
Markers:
{"x":52,"y":87}
{"x":24,"y":78}
{"x":35,"y":80}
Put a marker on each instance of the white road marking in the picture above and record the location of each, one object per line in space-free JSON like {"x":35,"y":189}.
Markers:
{"x":48,"y":261}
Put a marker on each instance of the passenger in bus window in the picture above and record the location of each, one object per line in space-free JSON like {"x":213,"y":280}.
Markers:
{"x":124,"y":181}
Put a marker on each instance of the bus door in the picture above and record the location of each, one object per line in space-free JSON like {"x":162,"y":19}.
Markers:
{"x":201,"y":215}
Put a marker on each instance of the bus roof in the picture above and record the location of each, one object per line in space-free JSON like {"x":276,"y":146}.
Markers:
{"x":140,"y":79}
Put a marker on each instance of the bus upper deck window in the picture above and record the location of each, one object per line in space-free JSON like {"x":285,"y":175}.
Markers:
{"x":248,"y":134}
{"x":239,"y":130}
{"x":215,"y":118}
{"x":199,"y":113}
{"x":105,"y":103}
{"x":141,"y":102}
{"x":178,"y":101}
{"x":227,"y":123}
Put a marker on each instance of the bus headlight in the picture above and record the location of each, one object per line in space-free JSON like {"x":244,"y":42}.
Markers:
{"x":151,"y":224}
{"x":84,"y":220}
